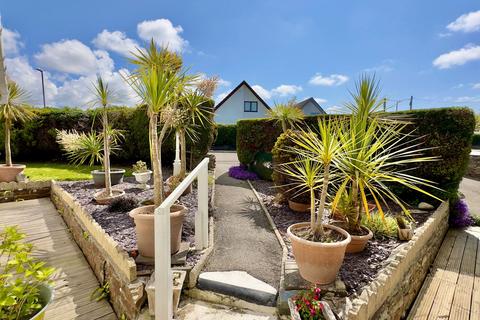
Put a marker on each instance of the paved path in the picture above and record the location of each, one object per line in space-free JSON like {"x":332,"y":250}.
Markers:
{"x":244,"y":240}
{"x":74,"y":280}
{"x":471,"y":189}
{"x":452,"y":288}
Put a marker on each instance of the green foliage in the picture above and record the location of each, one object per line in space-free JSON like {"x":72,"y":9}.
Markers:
{"x":287,"y":114}
{"x":101,"y":293}
{"x":140,"y":167}
{"x":263,"y":165}
{"x":20,"y":277}
{"x":379,"y":227}
{"x":226,"y":137}
{"x":477,"y":122}
{"x":446,"y":131}
{"x":476,"y":220}
{"x":476,"y":139}
{"x":35,"y":141}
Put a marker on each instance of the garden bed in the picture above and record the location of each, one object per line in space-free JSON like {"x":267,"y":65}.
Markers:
{"x":370,"y":261}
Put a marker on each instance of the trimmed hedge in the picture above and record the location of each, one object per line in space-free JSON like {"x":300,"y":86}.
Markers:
{"x":36,"y":139}
{"x":448,"y":131}
{"x":476,"y":140}
{"x":226,"y":137}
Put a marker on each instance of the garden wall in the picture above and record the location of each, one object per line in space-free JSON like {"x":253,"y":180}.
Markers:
{"x":36,"y":139}
{"x":447,"y":132}
{"x":17,"y":191}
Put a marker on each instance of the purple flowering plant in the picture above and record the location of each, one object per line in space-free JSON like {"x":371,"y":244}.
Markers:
{"x":241,"y":172}
{"x":460,"y":216}
{"x":308,"y":304}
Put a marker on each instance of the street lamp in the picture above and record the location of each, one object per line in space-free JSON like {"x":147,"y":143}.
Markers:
{"x":43,"y":86}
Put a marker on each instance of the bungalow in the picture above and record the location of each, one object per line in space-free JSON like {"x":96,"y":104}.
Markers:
{"x":243,"y":103}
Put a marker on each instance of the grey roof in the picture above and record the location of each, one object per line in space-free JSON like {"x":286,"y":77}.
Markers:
{"x":302,"y":104}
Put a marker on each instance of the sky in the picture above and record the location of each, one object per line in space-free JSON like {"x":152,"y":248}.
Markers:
{"x":427,"y":49}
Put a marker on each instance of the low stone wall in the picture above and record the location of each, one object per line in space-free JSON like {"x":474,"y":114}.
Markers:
{"x":108,"y":260}
{"x":392,"y":293}
{"x":16,"y":191}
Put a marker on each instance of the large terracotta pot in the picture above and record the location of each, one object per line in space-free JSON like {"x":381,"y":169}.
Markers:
{"x":144,"y":227}
{"x":358,"y":243}
{"x":318,"y":262}
{"x":9,"y":173}
{"x":298,"y":206}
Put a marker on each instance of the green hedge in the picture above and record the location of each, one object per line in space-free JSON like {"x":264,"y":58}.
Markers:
{"x":226,"y":137}
{"x":448,"y":131}
{"x":476,"y":140}
{"x":36,"y":139}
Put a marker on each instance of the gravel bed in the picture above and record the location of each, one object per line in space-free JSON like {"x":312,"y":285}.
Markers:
{"x":119,"y":225}
{"x":358,"y":269}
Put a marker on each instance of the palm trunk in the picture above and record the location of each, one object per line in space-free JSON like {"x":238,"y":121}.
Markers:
{"x":356,"y":205}
{"x":158,"y":179}
{"x":8,"y":151}
{"x":156,"y":161}
{"x":106,"y":155}
{"x":319,"y":232}
{"x":183,"y":156}
{"x":284,"y":126}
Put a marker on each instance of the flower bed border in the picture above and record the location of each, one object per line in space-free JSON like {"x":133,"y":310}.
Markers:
{"x":397,"y":284}
{"x":17,"y":191}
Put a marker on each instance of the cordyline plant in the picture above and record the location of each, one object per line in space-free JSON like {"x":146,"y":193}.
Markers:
{"x":15,"y":109}
{"x":287,"y":114}
{"x":158,"y":82}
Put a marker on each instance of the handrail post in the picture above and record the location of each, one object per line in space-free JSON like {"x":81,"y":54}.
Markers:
{"x":163,"y":271}
{"x":201,"y":218}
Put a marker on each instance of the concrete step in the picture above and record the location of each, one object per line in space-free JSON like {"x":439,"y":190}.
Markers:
{"x":238,"y":284}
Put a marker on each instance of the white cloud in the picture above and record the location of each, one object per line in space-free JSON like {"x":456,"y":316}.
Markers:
{"x":335,"y":109}
{"x":320,"y":100}
{"x":331,"y":80}
{"x":262,"y":92}
{"x":476,"y":86}
{"x":116,"y":41}
{"x":468,"y":22}
{"x":458,"y":86}
{"x":11,"y":42}
{"x":72,"y":56}
{"x":467,"y":99}
{"x":221,"y":96}
{"x":224,"y":83}
{"x":163,"y":32}
{"x":286,"y":90}
{"x":386,"y":65}
{"x":457,"y":57}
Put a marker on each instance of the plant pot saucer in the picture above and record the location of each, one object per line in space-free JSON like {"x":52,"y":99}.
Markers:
{"x":101,"y":198}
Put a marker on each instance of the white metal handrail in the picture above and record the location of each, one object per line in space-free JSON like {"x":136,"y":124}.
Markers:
{"x":163,"y":270}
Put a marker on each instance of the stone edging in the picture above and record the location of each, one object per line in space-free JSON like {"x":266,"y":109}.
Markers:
{"x":372,"y":302}
{"x":124,"y":264}
{"x":14,"y":191}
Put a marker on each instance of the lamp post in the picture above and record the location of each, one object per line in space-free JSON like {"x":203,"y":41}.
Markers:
{"x":43,"y":86}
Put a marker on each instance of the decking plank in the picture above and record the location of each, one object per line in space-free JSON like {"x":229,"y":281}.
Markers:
{"x":475,"y":305}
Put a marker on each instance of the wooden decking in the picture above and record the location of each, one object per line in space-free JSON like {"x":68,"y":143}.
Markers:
{"x":452,"y":289}
{"x":74,"y":280}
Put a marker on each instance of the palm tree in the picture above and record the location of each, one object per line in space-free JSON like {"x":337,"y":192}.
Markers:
{"x":103,"y":96}
{"x":15,"y":109}
{"x":286,"y":114}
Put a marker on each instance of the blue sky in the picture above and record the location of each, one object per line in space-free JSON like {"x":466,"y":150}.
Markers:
{"x":428,"y":49}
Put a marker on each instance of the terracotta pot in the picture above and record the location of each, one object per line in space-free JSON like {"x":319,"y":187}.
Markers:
{"x":144,"y":227}
{"x":9,"y":174}
{"x":358,"y":243}
{"x":298,"y":206}
{"x":116,"y":177}
{"x":318,"y":262}
{"x":168,"y":182}
{"x":101,"y":199}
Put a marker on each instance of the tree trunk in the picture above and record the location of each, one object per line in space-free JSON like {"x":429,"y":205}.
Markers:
{"x":319,"y":232}
{"x":8,"y":151}
{"x":156,"y":161}
{"x":356,"y":205}
{"x":284,"y":126}
{"x":183,"y":156}
{"x":158,"y":147}
{"x":106,"y":155}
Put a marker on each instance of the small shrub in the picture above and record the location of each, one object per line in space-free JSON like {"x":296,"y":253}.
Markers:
{"x":476,"y":220}
{"x":140,"y":167}
{"x":379,"y":227}
{"x":241,"y":173}
{"x":262,"y":165}
{"x":308,"y":304}
{"x":123,"y":204}
{"x":460,"y":215}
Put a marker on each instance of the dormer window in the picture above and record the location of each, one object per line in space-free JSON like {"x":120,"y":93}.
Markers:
{"x":250,"y":106}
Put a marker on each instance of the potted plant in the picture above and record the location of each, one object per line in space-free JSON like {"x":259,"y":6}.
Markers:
{"x":318,"y":248}
{"x":307,"y":305}
{"x":13,"y":108}
{"x":405,"y":229}
{"x":158,"y":82}
{"x":25,"y":285}
{"x":142,"y":174}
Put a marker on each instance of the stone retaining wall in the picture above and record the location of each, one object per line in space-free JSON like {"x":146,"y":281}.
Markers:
{"x":392,"y":293}
{"x":16,"y":191}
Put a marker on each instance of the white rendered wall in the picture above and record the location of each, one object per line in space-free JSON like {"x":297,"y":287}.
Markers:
{"x":310,"y":109}
{"x":232,"y":110}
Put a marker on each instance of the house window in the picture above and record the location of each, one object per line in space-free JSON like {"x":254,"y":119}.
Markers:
{"x":250,"y":106}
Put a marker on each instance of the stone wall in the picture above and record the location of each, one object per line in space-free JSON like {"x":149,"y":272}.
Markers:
{"x":17,"y":191}
{"x":393,"y":292}
{"x":109,"y":262}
